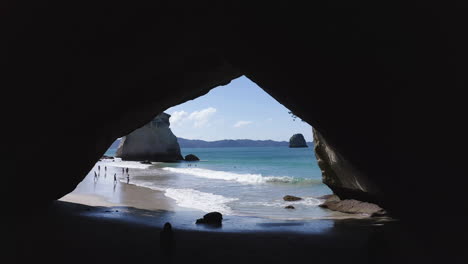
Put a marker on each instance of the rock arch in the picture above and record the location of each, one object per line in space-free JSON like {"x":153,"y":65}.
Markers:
{"x":87,"y":74}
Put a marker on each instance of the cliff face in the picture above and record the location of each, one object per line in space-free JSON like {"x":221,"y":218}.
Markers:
{"x":297,"y":141}
{"x":340,"y":175}
{"x":154,"y":141}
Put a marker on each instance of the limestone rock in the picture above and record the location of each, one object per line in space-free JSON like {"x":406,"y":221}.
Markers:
{"x":297,"y":141}
{"x":344,"y":179}
{"x":290,"y":198}
{"x":352,"y":206}
{"x":153,"y":142}
{"x":191,"y":157}
{"x":213,"y":218}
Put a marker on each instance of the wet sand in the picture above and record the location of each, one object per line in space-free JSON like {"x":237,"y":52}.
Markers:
{"x":75,"y":233}
{"x":103,"y":191}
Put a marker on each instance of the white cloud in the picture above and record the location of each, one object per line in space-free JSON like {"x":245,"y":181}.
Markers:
{"x":178,"y":117}
{"x":201,"y":118}
{"x":197,"y":118}
{"x":242,"y":123}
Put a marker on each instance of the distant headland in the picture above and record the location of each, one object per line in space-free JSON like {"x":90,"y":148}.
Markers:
{"x":227,"y":143}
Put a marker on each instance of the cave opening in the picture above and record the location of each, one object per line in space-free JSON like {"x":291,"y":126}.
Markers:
{"x":253,"y":152}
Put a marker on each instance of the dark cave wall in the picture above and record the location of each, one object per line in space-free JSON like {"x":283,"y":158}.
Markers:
{"x":85,"y":76}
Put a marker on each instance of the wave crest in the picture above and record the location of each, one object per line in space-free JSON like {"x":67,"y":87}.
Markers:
{"x":239,"y":177}
{"x":207,"y":202}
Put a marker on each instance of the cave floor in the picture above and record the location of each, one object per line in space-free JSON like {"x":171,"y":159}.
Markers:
{"x":75,"y":233}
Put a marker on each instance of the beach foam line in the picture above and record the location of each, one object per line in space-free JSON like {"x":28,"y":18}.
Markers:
{"x":190,"y":198}
{"x":231,"y":176}
{"x":207,"y":202}
{"x":143,"y":184}
{"x":307,"y":201}
{"x":124,"y":164}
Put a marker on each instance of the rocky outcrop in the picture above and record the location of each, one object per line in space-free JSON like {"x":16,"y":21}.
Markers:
{"x":152,"y":142}
{"x":340,"y":175}
{"x":297,"y":141}
{"x":290,"y":198}
{"x":191,"y":157}
{"x":213,"y":218}
{"x":352,"y":206}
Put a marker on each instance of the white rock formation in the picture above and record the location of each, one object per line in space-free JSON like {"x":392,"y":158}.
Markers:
{"x":154,"y":141}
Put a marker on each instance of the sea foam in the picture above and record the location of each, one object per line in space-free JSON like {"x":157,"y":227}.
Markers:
{"x":239,"y":177}
{"x":307,"y":201}
{"x":124,"y":164}
{"x":207,"y":202}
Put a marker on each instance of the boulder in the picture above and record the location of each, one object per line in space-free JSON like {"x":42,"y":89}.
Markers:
{"x":152,"y":142}
{"x":291,"y":198}
{"x":191,"y":157}
{"x":352,"y":206}
{"x":145,"y":162}
{"x":289,"y":207}
{"x":297,"y":141}
{"x":213,"y":218}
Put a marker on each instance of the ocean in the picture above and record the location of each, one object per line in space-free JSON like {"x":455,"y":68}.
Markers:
{"x":238,"y":181}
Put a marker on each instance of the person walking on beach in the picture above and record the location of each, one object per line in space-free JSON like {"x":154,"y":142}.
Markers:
{"x":99,"y":167}
{"x":95,"y":175}
{"x":166,"y":242}
{"x":123,"y":171}
{"x":127,"y":170}
{"x":128,"y":178}
{"x":115,"y":177}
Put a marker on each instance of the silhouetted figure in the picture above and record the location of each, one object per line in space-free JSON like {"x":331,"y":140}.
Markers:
{"x":128,"y":178}
{"x":95,"y":175}
{"x":167,"y":242}
{"x":105,"y":168}
{"x":115,"y":177}
{"x":99,"y":168}
{"x":123,"y":171}
{"x":127,"y":170}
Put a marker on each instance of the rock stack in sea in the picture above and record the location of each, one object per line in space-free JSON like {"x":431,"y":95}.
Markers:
{"x":153,"y":142}
{"x":297,"y":141}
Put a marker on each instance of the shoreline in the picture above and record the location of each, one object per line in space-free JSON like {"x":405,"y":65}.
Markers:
{"x":130,"y":200}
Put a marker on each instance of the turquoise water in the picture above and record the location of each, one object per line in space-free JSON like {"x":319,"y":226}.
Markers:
{"x":238,"y":181}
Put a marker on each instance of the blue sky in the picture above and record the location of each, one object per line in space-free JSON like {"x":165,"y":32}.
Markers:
{"x":239,"y":110}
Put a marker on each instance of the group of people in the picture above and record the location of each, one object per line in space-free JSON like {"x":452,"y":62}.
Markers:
{"x":128,"y":175}
{"x":124,"y":170}
{"x":96,"y":175}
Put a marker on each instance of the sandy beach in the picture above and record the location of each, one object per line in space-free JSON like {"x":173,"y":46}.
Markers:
{"x":103,"y":222}
{"x":103,"y":191}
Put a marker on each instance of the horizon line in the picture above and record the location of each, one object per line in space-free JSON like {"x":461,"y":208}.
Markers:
{"x":241,"y":139}
{"x":233,"y":139}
